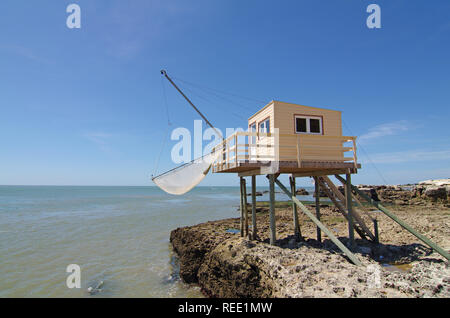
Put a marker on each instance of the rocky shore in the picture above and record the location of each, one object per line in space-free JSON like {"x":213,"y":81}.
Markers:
{"x":417,"y":194}
{"x":215,"y":257}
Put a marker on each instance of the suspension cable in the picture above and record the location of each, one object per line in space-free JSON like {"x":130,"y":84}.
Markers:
{"x":219,"y":91}
{"x":366,"y":154}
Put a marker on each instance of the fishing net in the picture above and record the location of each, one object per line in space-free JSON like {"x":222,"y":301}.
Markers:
{"x":183,"y":178}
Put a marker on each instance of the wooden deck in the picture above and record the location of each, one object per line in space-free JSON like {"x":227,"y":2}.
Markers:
{"x":302,"y":155}
{"x":308,"y":168}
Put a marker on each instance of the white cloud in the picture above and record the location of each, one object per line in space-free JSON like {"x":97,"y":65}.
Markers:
{"x":387,"y":129}
{"x":99,"y":138}
{"x":24,"y":52}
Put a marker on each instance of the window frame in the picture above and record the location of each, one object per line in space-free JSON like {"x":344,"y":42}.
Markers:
{"x":308,"y":124}
{"x":267,"y":119}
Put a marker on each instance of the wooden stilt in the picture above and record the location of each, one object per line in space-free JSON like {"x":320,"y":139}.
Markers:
{"x":273,"y":235}
{"x":242,"y":208}
{"x":254,"y":230}
{"x":297,"y":232}
{"x":348,"y":196}
{"x":375,"y":229}
{"x":244,"y":193}
{"x":317,"y":197}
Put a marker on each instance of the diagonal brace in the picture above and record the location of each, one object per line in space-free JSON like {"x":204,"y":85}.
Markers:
{"x":396,"y":219}
{"x":333,"y":238}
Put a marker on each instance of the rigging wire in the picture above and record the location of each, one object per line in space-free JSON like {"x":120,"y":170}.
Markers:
{"x":366,"y":154}
{"x":212,"y":103}
{"x":216,"y":92}
{"x":211,"y":92}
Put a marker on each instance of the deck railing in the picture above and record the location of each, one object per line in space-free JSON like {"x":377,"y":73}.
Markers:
{"x":264,"y":147}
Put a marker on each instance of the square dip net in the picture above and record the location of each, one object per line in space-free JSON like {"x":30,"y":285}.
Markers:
{"x":182,"y":179}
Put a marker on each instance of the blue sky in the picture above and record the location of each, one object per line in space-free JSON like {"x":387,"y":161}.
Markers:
{"x":86,"y":106}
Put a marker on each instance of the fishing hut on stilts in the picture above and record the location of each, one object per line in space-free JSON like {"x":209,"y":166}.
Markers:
{"x":301,"y":141}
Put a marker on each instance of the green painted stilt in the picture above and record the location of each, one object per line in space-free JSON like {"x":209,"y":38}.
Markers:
{"x":317,"y":197}
{"x":254,"y":230}
{"x":297,"y":231}
{"x":273,"y":235}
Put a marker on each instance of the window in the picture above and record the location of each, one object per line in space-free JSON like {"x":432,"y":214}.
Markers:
{"x":308,"y":125}
{"x":301,"y":125}
{"x":264,"y":127}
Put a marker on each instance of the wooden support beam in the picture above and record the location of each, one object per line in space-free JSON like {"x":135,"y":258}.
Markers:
{"x":335,"y":190}
{"x":348,"y":196}
{"x":273,"y":234}
{"x":250,"y":173}
{"x":356,"y":217}
{"x":376,"y":237}
{"x":333,"y":238}
{"x":338,"y":204}
{"x":297,"y":231}
{"x":254,"y":230}
{"x":375,"y":229}
{"x":355,"y":198}
{"x":424,"y":239}
{"x":320,"y":173}
{"x":317,"y":195}
{"x":242,"y":208}
{"x":244,"y":188}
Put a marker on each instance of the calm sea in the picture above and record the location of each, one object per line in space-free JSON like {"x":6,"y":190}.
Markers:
{"x":118,"y":235}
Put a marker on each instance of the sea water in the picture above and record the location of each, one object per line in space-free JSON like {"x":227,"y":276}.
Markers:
{"x":118,"y":235}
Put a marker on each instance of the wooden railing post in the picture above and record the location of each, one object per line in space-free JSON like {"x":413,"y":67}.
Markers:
{"x":355,"y":158}
{"x":235,"y":148}
{"x":257,"y":147}
{"x":227,"y":163}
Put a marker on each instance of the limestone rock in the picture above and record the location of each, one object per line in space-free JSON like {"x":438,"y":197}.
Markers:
{"x":302,"y":191}
{"x":435,"y":193}
{"x":371,"y":192}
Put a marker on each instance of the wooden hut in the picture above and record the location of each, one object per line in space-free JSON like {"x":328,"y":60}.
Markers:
{"x":302,"y":139}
